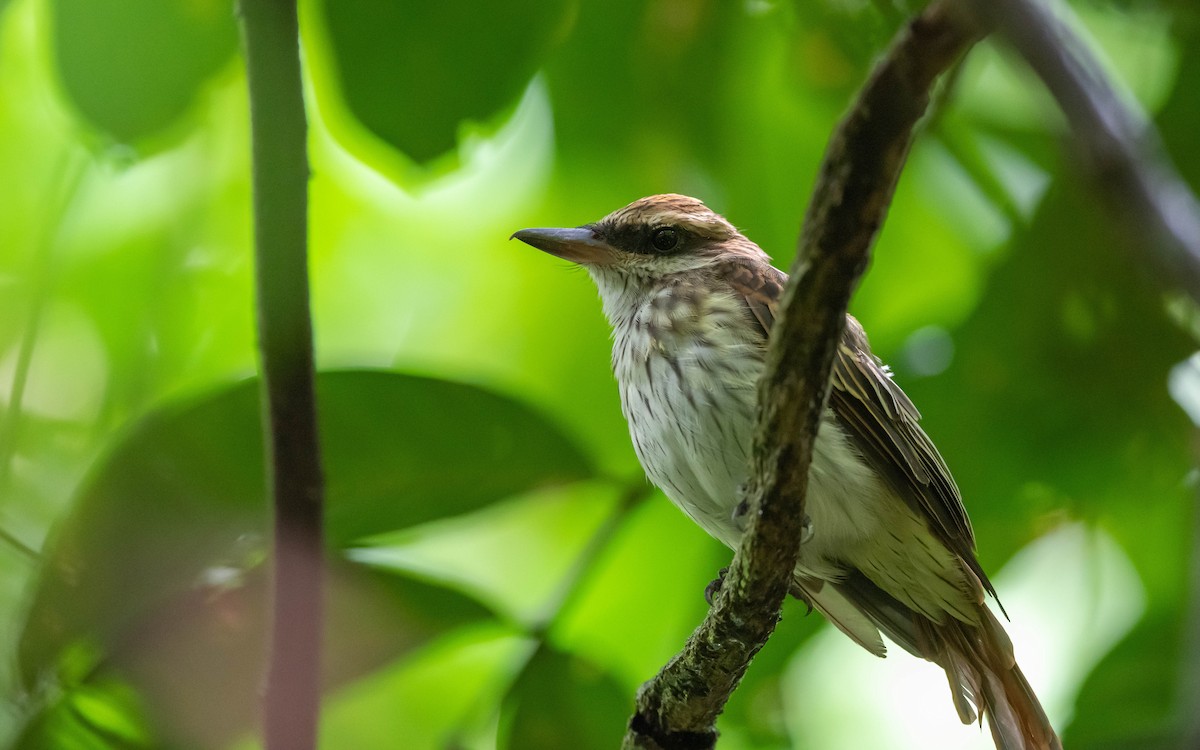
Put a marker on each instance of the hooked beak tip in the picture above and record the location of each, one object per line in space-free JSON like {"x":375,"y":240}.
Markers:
{"x":579,"y":245}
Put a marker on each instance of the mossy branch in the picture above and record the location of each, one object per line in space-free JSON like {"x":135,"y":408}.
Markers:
{"x":678,"y":709}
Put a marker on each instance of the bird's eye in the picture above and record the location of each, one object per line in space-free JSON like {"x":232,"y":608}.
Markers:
{"x":665,"y":239}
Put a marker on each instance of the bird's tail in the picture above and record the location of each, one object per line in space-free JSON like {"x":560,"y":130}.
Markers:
{"x":983,"y":673}
{"x":978,"y":659}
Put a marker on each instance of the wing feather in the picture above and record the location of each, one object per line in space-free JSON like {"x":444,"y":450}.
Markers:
{"x":878,"y":414}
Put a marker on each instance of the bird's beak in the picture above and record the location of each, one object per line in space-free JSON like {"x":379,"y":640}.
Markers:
{"x":579,"y":245}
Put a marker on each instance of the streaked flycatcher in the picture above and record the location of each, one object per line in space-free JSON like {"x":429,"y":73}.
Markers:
{"x":691,"y":302}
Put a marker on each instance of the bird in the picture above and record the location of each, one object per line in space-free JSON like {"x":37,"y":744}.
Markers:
{"x":887,"y":546}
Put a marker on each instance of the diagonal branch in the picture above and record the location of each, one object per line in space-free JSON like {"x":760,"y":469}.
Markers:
{"x":679,"y":707}
{"x":1118,"y":143}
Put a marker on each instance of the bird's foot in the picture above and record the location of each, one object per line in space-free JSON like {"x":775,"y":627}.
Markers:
{"x":741,"y":519}
{"x":710,"y":591}
{"x":806,"y":529}
{"x":741,"y":515}
{"x":803,"y":596}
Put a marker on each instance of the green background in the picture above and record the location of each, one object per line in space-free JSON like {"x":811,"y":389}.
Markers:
{"x":503,"y":577}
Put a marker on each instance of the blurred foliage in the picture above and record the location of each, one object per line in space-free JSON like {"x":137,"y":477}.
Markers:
{"x":182,"y":496}
{"x":402,"y":71}
{"x":495,"y":584}
{"x":560,"y":701}
{"x":133,"y":67}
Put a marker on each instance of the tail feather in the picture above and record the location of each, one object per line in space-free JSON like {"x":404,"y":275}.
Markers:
{"x":1016,"y":717}
{"x":978,"y":658}
{"x":842,"y":612}
{"x":965,"y":688}
{"x":981,"y":668}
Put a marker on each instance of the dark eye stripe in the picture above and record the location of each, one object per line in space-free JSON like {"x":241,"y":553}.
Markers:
{"x":641,"y":238}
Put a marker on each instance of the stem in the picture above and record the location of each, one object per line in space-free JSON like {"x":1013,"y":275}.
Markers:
{"x":28,"y":552}
{"x":60,"y":194}
{"x":632,"y":494}
{"x":270,"y":33}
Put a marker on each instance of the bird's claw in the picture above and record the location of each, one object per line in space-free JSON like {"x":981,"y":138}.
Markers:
{"x":710,"y":591}
{"x":741,"y":515}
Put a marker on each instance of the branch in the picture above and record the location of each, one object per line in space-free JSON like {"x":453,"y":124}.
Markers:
{"x":58,"y":198}
{"x":679,"y":707}
{"x":1118,"y":144}
{"x":271,"y":37}
{"x":633,"y":493}
{"x":60,"y":194}
{"x":29,"y":553}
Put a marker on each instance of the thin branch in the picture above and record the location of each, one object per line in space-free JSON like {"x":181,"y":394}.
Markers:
{"x":679,"y":707}
{"x":1117,"y":142}
{"x":633,"y":493}
{"x":59,"y":196}
{"x":16,"y":544}
{"x":279,"y":133}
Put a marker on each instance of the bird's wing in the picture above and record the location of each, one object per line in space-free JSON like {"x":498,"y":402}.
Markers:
{"x":881,"y":418}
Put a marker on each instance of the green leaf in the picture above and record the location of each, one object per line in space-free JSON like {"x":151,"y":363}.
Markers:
{"x":1128,"y":700}
{"x":133,"y":67}
{"x":402,"y":450}
{"x":563,"y":701}
{"x":104,"y":714}
{"x":180,"y":499}
{"x":413,"y":71}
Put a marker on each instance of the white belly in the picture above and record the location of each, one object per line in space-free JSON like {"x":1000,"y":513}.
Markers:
{"x":689,"y":394}
{"x":691,"y":412}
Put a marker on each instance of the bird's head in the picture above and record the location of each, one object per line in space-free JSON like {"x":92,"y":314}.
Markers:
{"x":650,"y":238}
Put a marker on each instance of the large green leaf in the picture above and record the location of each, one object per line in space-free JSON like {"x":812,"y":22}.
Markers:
{"x":133,"y":67}
{"x":1126,"y":702}
{"x":180,"y":498}
{"x":413,"y":71}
